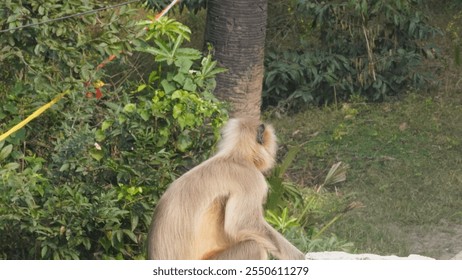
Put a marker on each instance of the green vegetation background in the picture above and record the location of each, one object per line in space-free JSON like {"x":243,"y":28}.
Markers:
{"x":370,"y":157}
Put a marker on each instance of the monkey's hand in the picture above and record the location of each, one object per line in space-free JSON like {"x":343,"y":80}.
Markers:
{"x":290,"y":252}
{"x":296,"y":255}
{"x":284,"y":249}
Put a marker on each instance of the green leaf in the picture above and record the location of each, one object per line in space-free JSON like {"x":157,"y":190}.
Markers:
{"x":184,"y":142}
{"x":177,"y":110}
{"x":86,"y":243}
{"x":96,"y":154}
{"x":188,"y":53}
{"x":130,"y":234}
{"x":118,"y":234}
{"x":177,"y":44}
{"x":177,"y":95}
{"x":190,"y":119}
{"x":167,"y":86}
{"x":64,"y":167}
{"x":179,"y":78}
{"x":11,"y":166}
{"x":141,"y":87}
{"x":129,"y":108}
{"x":106,"y":124}
{"x":182,"y":122}
{"x":163,"y":53}
{"x":44,"y":251}
{"x":189,"y":85}
{"x":144,"y":114}
{"x":100,"y":135}
{"x":134,"y":221}
{"x":281,"y":169}
{"x":122,"y":118}
{"x":5,"y":152}
{"x":149,"y":49}
{"x":184,"y":65}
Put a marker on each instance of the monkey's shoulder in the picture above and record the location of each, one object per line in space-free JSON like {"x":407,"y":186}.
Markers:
{"x":222,"y":173}
{"x":228,"y":168}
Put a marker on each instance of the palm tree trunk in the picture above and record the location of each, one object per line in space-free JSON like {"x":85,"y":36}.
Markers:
{"x":236,"y":29}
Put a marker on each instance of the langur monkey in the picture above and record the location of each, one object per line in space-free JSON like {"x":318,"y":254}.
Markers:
{"x":215,"y":210}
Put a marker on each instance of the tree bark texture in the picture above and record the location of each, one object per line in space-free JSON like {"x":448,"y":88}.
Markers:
{"x":236,"y":29}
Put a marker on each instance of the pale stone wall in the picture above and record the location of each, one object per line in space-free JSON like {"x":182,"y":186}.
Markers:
{"x":348,"y":256}
{"x":336,"y":255}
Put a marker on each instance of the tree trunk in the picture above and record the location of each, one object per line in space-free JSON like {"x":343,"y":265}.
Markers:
{"x":236,"y":29}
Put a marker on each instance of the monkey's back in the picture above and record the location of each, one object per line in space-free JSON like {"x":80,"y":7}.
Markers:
{"x":192,"y":215}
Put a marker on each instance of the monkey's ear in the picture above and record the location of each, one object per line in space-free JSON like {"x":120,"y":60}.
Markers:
{"x":260,"y":131}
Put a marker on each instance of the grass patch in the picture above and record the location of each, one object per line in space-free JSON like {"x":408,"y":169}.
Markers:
{"x":405,"y":162}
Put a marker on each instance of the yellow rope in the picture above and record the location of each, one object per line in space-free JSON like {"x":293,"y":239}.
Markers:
{"x":35,"y":114}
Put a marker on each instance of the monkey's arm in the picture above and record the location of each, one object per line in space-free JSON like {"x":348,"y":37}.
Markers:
{"x":284,"y":250}
{"x":244,"y":221}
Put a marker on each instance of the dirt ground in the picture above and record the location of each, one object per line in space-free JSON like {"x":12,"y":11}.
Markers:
{"x":442,"y":242}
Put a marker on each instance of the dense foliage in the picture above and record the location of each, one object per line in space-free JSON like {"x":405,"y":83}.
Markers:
{"x":87,"y":174}
{"x":304,"y":214}
{"x":81,"y":181}
{"x":40,"y":61}
{"x":369,"y":48}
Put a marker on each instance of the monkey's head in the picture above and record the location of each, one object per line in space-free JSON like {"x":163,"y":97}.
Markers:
{"x":250,"y":140}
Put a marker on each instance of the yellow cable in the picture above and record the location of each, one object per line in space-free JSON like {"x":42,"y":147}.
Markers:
{"x":35,"y":114}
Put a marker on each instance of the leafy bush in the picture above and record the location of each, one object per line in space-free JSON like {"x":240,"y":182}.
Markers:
{"x":371,"y":48}
{"x":46,"y":59}
{"x":312,"y":210}
{"x":86,"y":188}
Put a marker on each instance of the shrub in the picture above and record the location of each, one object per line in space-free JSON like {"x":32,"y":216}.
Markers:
{"x":312,"y":210}
{"x":86,"y":188}
{"x":368,"y":48}
{"x":46,"y":59}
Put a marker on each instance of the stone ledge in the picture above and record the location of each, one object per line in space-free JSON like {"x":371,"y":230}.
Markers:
{"x":458,"y":256}
{"x":347,"y":256}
